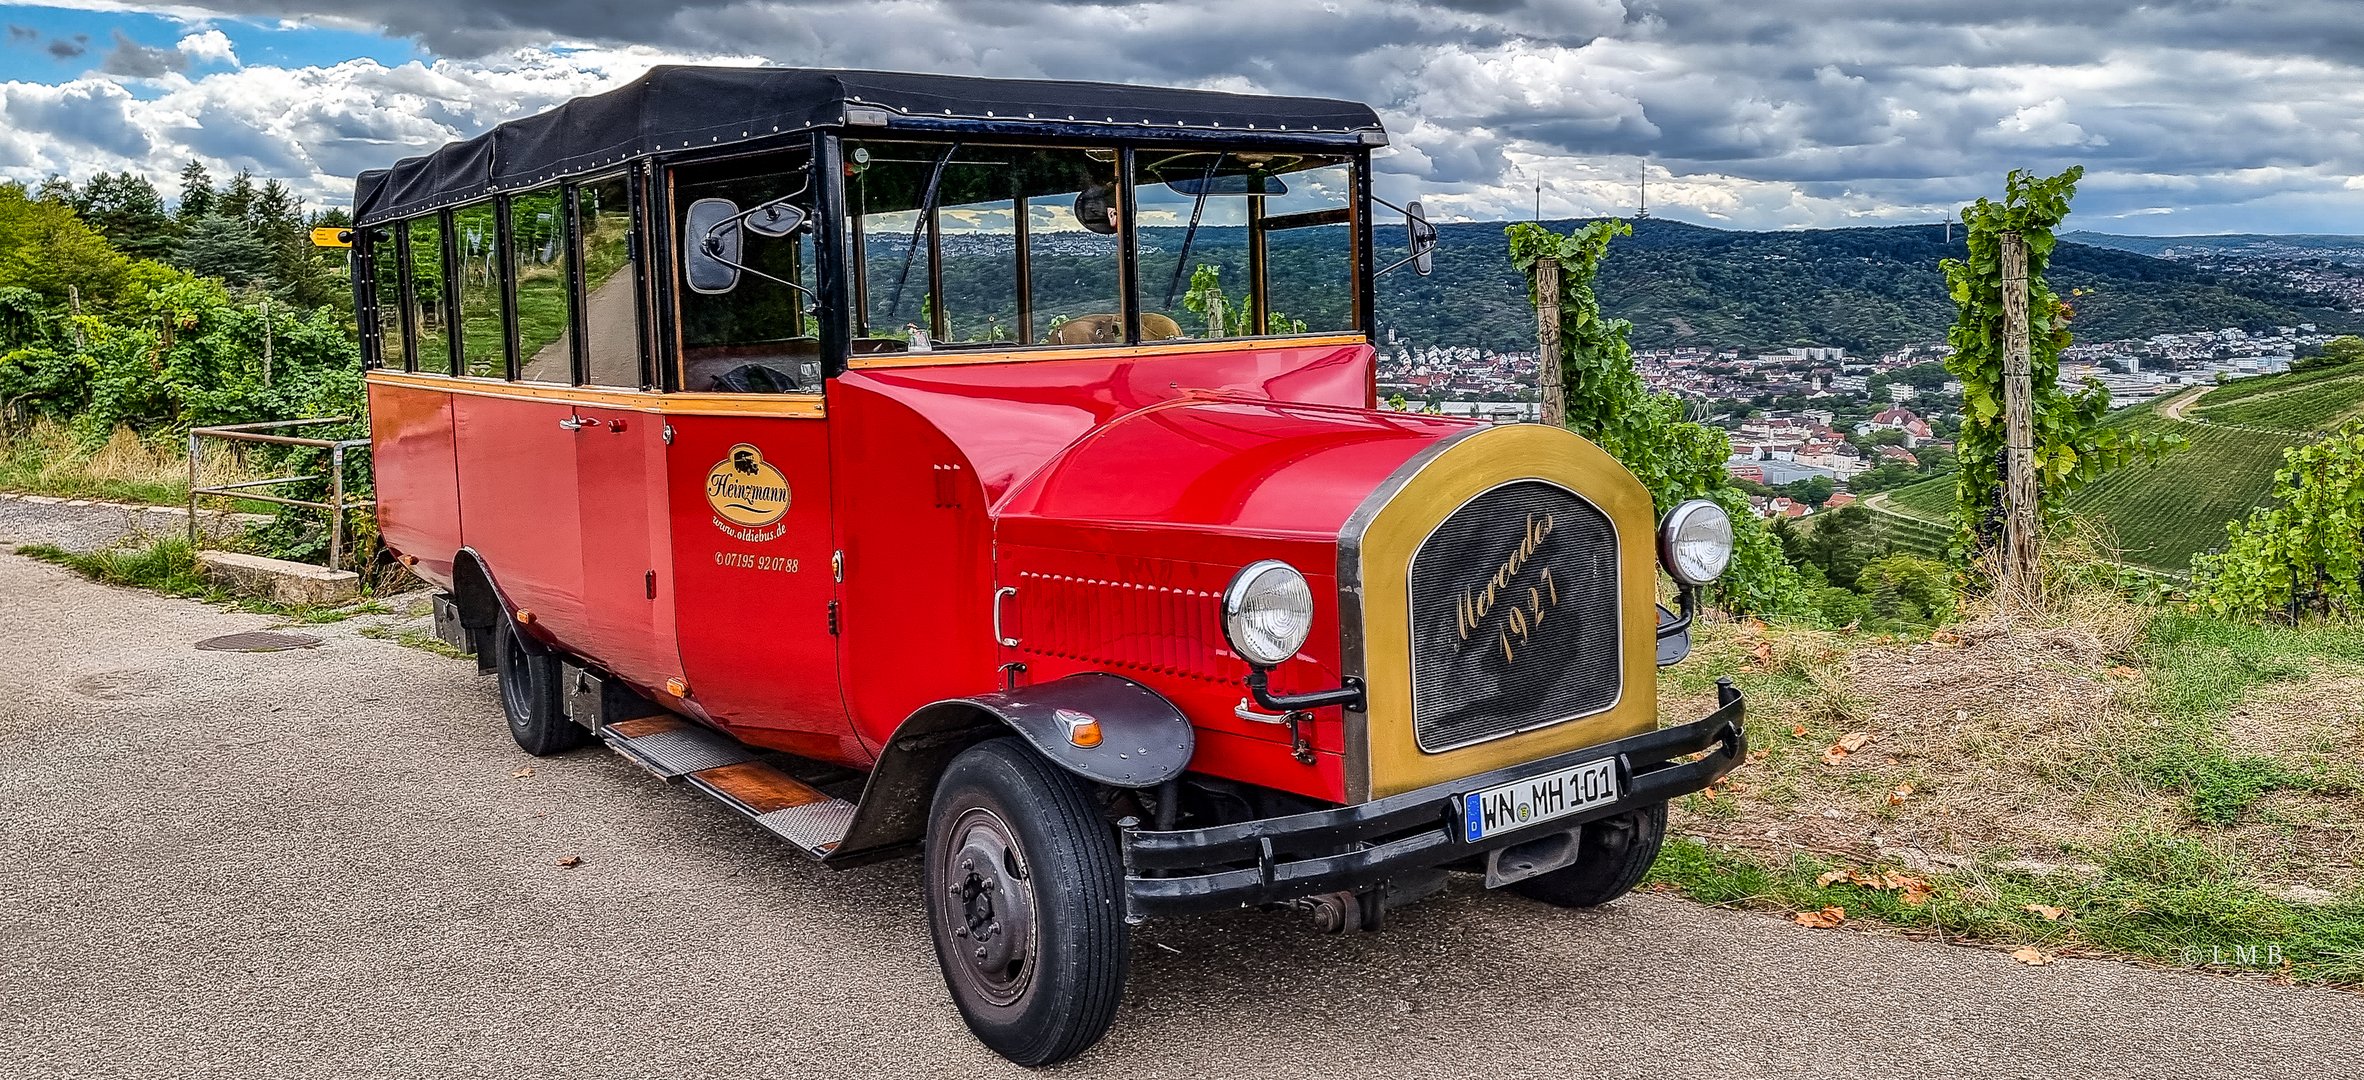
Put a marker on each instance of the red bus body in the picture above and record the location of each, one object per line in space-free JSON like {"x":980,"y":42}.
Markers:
{"x":1133,"y":486}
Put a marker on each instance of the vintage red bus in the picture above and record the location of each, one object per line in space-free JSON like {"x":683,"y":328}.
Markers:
{"x":992,"y":469}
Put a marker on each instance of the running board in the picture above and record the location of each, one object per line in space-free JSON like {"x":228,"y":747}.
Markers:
{"x":737,"y":777}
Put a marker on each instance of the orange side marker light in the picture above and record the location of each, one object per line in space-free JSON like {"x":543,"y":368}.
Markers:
{"x":1083,"y":729}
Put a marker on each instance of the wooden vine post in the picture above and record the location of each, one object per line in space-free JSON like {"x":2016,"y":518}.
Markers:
{"x":1547,"y":342}
{"x":2020,"y":483}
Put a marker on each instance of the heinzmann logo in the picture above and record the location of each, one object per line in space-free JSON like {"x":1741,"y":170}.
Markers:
{"x":748,"y":494}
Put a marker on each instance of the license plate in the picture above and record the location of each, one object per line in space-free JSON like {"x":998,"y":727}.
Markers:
{"x":1519,"y":804}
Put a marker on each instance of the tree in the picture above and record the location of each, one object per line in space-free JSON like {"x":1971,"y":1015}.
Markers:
{"x":1813,"y":490}
{"x":125,"y":208}
{"x":1840,"y":543}
{"x":237,"y":200}
{"x":2072,"y":448}
{"x":224,"y":247}
{"x":1608,"y":403}
{"x":55,"y":189}
{"x":197,"y":195}
{"x":1885,"y":476}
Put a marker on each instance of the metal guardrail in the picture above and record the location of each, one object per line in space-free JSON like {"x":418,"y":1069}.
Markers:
{"x":337,"y":504}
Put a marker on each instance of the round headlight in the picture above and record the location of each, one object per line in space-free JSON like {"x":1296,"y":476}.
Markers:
{"x":1267,"y":611}
{"x":1695,"y":542}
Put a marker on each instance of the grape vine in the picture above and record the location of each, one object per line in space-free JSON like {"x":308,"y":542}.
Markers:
{"x":2305,"y":555}
{"x":1608,"y":403}
{"x":2072,"y":449}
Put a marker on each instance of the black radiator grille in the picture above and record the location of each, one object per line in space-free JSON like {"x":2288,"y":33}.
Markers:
{"x":1515,"y":621}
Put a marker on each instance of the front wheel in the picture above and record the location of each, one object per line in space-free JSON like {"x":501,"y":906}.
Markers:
{"x":1024,"y":902}
{"x":1612,"y":855}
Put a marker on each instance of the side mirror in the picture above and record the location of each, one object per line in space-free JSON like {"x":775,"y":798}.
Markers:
{"x":776,"y":218}
{"x":712,"y":253}
{"x":1421,"y":237}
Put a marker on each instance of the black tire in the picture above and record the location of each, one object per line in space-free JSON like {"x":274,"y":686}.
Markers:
{"x":529,"y":695}
{"x":1033,"y":942}
{"x":1613,"y":854}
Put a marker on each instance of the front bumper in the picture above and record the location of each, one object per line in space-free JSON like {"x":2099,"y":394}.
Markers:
{"x":1353,"y":847}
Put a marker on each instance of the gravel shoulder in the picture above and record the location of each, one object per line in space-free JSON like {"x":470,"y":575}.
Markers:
{"x":90,"y":524}
{"x":323,"y":863}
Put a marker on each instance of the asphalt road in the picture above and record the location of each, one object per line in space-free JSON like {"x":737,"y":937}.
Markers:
{"x":321,"y":864}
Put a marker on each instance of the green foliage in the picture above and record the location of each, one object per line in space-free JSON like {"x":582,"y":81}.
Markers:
{"x":125,"y":209}
{"x":2337,"y":352}
{"x":1906,"y":588}
{"x":166,"y":565}
{"x":97,"y":341}
{"x":2072,"y":447}
{"x":1837,"y":544}
{"x":1607,"y":402}
{"x":1223,"y":316}
{"x":2175,"y":900}
{"x":2305,"y":554}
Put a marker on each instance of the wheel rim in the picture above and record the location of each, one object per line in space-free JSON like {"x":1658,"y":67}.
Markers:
{"x":988,"y":917}
{"x":516,"y":681}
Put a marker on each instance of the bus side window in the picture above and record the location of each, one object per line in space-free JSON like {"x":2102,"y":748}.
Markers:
{"x":539,"y":257}
{"x":385,"y":260}
{"x":428,"y":310}
{"x":611,"y":312}
{"x":484,"y":350}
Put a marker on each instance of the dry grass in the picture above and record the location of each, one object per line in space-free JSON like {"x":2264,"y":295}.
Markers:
{"x":2036,"y":731}
{"x":44,"y":459}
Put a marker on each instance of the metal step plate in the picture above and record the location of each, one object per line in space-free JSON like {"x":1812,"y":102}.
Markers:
{"x":787,"y":807}
{"x":672,"y":747}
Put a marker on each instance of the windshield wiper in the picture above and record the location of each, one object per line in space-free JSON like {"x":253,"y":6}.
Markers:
{"x":1198,"y":206}
{"x":927,"y":211}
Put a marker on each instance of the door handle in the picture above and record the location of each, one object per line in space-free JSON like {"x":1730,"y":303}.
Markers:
{"x":575,"y":423}
{"x":999,"y":595}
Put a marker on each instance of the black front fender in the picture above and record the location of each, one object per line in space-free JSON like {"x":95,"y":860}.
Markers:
{"x":1144,"y":741}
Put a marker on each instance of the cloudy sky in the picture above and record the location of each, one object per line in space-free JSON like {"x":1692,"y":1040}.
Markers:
{"x":2190,"y":115}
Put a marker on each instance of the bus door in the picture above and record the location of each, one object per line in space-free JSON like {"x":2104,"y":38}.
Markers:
{"x":756,"y":594}
{"x":754,"y":587}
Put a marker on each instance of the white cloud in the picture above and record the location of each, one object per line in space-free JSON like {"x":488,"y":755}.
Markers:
{"x":314,"y":128}
{"x":1759,"y":114}
{"x":209,"y":46}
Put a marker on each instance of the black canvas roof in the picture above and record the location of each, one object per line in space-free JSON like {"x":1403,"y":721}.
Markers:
{"x":676,"y":108}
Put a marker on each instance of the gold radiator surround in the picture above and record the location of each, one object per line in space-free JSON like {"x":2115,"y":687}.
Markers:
{"x":1374,"y":567}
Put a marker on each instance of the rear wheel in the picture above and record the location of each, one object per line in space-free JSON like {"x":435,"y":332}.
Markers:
{"x":1024,"y":902}
{"x":529,"y":695}
{"x":1612,"y":855}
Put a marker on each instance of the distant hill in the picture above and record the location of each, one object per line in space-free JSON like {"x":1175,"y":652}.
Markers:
{"x":1868,"y":289}
{"x":2345,"y":249}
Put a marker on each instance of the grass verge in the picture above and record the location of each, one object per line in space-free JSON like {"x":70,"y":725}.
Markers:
{"x":2070,"y":772}
{"x":169,"y":565}
{"x":2164,"y":899}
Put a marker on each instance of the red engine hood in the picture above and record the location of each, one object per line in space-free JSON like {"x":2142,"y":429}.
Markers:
{"x":1007,"y":421}
{"x":1234,"y":466}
